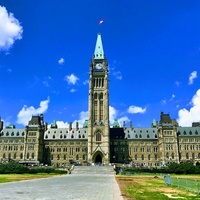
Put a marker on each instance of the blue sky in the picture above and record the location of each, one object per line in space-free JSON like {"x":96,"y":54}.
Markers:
{"x":153,"y":50}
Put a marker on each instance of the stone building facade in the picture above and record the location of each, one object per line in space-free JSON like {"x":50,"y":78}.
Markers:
{"x":96,"y":142}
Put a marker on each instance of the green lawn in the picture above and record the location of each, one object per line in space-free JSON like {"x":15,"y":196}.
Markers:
{"x":150,"y":187}
{"x":19,"y":177}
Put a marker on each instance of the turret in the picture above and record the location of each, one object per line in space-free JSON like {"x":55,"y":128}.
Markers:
{"x":1,"y":124}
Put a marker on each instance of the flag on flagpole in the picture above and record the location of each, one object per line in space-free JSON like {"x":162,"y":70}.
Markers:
{"x":100,"y":22}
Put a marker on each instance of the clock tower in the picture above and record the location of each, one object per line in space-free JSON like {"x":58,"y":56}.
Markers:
{"x":98,"y":123}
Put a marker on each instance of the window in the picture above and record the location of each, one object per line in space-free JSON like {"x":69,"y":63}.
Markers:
{"x":72,"y":136}
{"x":32,"y":156}
{"x":98,"y":136}
{"x":149,"y":157}
{"x":148,"y":136}
{"x":187,"y":156}
{"x":193,"y":157}
{"x":136,"y":157}
{"x":21,"y":155}
{"x":142,"y":157}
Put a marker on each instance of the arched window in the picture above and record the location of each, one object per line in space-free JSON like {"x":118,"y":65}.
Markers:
{"x":72,"y":136}
{"x":98,"y":136}
{"x":83,"y":136}
{"x":193,"y":157}
{"x":4,"y":155}
{"x":27,"y":155}
{"x":32,"y":156}
{"x":14,"y":156}
{"x":21,"y":155}
{"x":148,"y":136}
{"x":79,"y":136}
{"x":149,"y":157}
{"x":142,"y":157}
{"x":83,"y":156}
{"x":77,"y":157}
{"x":187,"y":156}
{"x":172,"y":155}
{"x":167,"y":155}
{"x":61,"y":136}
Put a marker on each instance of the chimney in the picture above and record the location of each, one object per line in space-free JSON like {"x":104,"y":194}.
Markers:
{"x":70,"y":126}
{"x":131,"y":125}
{"x":124,"y":125}
{"x":77,"y":126}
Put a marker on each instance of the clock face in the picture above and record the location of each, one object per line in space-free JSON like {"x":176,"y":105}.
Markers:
{"x":98,"y":66}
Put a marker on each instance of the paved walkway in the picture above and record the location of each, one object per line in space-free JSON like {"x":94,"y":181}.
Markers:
{"x":85,"y":183}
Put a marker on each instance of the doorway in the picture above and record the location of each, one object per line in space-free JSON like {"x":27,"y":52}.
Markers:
{"x":98,"y":159}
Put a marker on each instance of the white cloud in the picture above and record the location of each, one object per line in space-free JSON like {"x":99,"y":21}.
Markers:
{"x":83,"y":115}
{"x":118,"y":75}
{"x":172,"y":97}
{"x":186,"y":117}
{"x":72,"y":90}
{"x":192,"y":76}
{"x":112,"y":114}
{"x":136,"y":109}
{"x":177,"y":83}
{"x":122,"y":120}
{"x":163,"y":102}
{"x":10,"y":29}
{"x":71,"y":79}
{"x":85,"y":82}
{"x":61,"y":61}
{"x":25,"y":113}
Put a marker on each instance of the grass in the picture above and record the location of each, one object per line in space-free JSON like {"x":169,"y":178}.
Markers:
{"x":4,"y":178}
{"x":150,"y":187}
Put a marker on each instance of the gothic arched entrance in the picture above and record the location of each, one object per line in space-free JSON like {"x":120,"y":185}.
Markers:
{"x":98,"y":157}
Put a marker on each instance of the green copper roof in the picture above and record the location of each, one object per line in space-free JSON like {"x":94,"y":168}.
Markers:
{"x":54,"y":124}
{"x":85,"y":125}
{"x":98,"y":52}
{"x":116,"y":124}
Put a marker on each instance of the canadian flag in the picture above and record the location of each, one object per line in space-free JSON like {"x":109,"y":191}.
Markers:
{"x":100,"y":22}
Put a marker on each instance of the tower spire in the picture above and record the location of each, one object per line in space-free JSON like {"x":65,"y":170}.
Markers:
{"x":98,"y":52}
